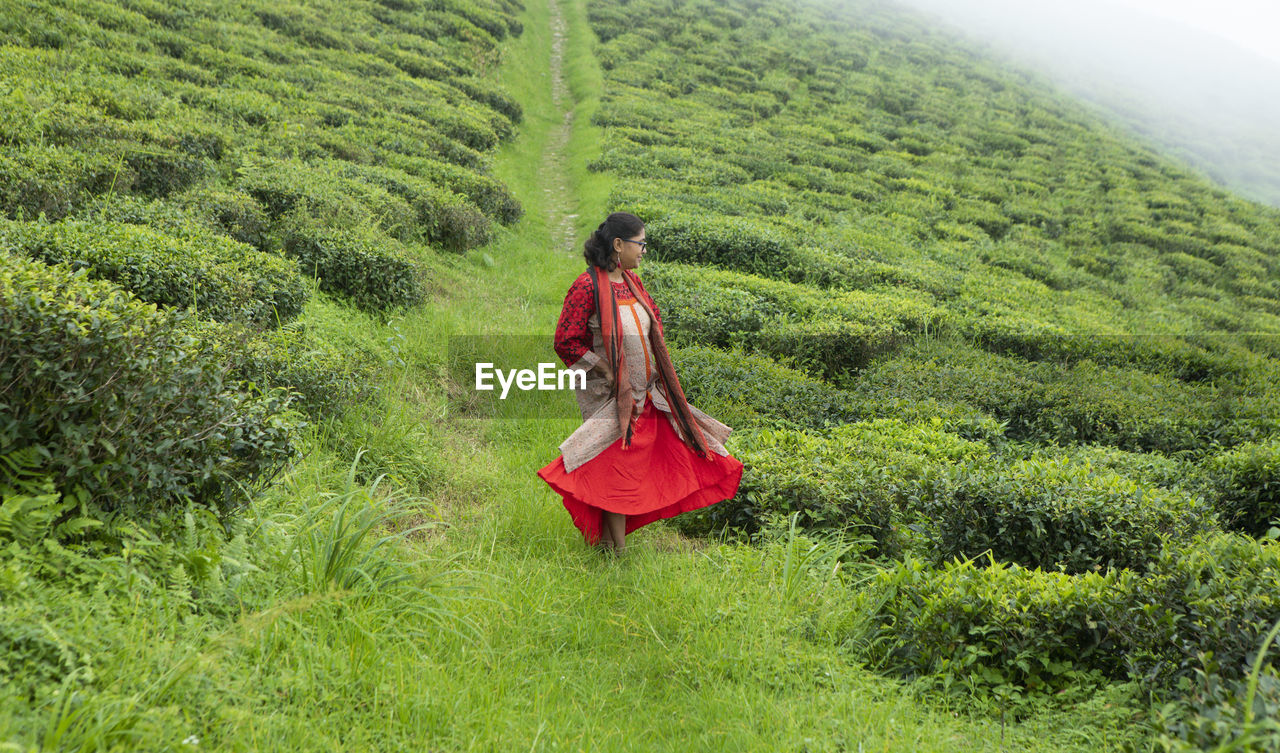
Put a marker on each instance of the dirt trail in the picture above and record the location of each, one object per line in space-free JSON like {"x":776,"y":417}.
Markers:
{"x":553,"y":160}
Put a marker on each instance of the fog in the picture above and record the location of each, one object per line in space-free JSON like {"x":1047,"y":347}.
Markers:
{"x":1205,"y":88}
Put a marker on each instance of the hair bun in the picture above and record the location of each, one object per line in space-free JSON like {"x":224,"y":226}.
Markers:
{"x":598,"y":250}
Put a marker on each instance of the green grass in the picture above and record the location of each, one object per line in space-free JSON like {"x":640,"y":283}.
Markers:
{"x":586,"y":85}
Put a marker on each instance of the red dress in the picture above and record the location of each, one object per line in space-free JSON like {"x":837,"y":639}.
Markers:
{"x":658,"y":475}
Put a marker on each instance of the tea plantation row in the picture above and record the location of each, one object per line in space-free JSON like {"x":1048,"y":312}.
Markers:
{"x":953,"y":312}
{"x":173,"y":178}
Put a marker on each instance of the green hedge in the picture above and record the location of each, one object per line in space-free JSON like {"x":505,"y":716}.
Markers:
{"x":1001,"y":623}
{"x":233,"y":213}
{"x":745,"y":389}
{"x":1145,"y":468}
{"x":283,"y":186}
{"x":449,"y":203}
{"x":1203,"y":607}
{"x":373,"y":271}
{"x":829,"y":333}
{"x":323,"y":380}
{"x":739,"y":243}
{"x":1245,"y":485}
{"x":123,"y":404}
{"x":1080,"y":404}
{"x":54,"y":181}
{"x":220,"y":278}
{"x":1052,"y":513}
{"x":198,"y":211}
{"x":855,"y":475}
{"x":705,"y":229}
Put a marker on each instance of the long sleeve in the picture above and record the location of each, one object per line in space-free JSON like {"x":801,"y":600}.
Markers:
{"x":573,"y":333}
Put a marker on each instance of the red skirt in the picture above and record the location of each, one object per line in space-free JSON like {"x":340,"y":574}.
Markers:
{"x":657,"y":477}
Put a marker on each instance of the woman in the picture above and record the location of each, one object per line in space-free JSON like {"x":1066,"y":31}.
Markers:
{"x":642,"y":453}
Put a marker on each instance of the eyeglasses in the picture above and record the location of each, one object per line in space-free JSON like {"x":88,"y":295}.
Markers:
{"x":643,"y":244}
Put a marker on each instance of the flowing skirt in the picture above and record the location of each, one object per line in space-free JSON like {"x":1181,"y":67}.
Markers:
{"x":657,"y":477}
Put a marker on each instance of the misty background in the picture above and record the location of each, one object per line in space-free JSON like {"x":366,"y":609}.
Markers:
{"x":1202,"y":88}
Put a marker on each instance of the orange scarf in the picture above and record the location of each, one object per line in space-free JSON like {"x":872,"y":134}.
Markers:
{"x":616,"y":357}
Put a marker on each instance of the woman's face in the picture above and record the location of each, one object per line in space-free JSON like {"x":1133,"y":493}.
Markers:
{"x":630,"y":250}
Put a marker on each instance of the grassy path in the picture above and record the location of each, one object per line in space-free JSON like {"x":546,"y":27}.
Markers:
{"x":682,"y":645}
{"x":560,"y":221}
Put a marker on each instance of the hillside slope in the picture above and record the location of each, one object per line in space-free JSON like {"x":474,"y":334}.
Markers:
{"x":923,"y":293}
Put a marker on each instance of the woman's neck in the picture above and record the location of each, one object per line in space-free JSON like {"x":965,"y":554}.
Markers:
{"x":616,"y":275}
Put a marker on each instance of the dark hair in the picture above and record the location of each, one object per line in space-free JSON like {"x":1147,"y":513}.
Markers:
{"x":598,"y":249}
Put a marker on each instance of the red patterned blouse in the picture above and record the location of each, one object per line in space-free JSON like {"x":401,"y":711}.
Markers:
{"x":573,"y":333}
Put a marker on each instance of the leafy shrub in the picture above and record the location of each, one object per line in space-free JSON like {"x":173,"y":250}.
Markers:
{"x":744,"y":389}
{"x":323,"y":379}
{"x":828,"y":333}
{"x":1127,"y":408}
{"x":1201,"y":609}
{"x":1212,"y":716}
{"x":1042,"y":402}
{"x":826,"y":346}
{"x":788,"y":471}
{"x":233,"y":213}
{"x":158,"y":172}
{"x":122,"y":403}
{"x":1001,"y":623}
{"x":1245,"y":484}
{"x":371,"y":270}
{"x":853,"y":475}
{"x":53,"y":181}
{"x":1145,"y":468}
{"x":283,"y":186}
{"x":221,"y":278}
{"x":694,"y":312}
{"x":486,"y":93}
{"x":486,"y":194}
{"x":1051,"y":513}
{"x":738,"y":243}
{"x":1205,"y":606}
{"x":443,"y":217}
{"x":196,"y":212}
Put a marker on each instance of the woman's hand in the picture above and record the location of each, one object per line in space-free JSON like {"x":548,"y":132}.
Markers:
{"x":604,"y":369}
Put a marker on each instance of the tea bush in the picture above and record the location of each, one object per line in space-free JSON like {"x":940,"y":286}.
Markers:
{"x":788,"y":471}
{"x":323,"y":380}
{"x":856,"y":474}
{"x":233,"y":213}
{"x":1052,"y":513}
{"x":1079,"y":404}
{"x":696,"y":312}
{"x":443,"y":217}
{"x":121,"y":402}
{"x":372,"y":271}
{"x":1145,"y":468}
{"x":991,"y":623}
{"x":1204,"y":606}
{"x":1201,"y":609}
{"x":220,"y":278}
{"x":282,"y":187}
{"x":53,"y":180}
{"x":831,"y":334}
{"x":829,"y":347}
{"x":1245,"y":485}
{"x":745,"y":389}
{"x":737,"y":243}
